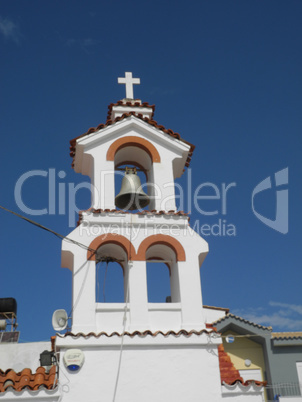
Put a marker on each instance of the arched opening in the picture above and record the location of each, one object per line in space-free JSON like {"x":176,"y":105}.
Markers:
{"x":109,"y":282}
{"x":138,"y":153}
{"x":158,"y":282}
{"x":162,"y":274}
{"x":161,"y":239}
{"x":111,"y":261}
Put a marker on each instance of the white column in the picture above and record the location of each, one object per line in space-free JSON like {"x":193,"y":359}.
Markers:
{"x":104,"y":186}
{"x":174,"y":283}
{"x":84,"y":303}
{"x":190,"y":295}
{"x":164,"y":187}
{"x":138,"y":297}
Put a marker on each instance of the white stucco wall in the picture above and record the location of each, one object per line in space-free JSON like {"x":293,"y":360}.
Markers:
{"x":42,"y":395}
{"x":174,"y":369}
{"x":211,"y":314}
{"x":18,"y":356}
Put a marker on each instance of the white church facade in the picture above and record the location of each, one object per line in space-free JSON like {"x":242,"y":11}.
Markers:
{"x":134,"y":350}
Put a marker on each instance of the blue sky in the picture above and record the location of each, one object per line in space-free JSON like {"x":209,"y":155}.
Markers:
{"x":226,"y":75}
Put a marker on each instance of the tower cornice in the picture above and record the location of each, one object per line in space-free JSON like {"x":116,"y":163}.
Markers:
{"x":150,"y":122}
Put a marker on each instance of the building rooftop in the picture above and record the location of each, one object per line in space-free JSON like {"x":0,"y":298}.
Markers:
{"x":9,"y":379}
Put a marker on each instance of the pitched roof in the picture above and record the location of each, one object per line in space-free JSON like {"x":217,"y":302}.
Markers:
{"x":237,"y":318}
{"x":151,"y":122}
{"x":9,"y":379}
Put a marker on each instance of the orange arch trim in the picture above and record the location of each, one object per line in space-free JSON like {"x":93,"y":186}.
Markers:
{"x":111,"y":238}
{"x":132,"y":141}
{"x":161,"y":239}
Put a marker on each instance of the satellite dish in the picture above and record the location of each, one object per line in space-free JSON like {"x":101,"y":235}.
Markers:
{"x":59,"y":320}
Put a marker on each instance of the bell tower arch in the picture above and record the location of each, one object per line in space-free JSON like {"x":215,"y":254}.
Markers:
{"x":132,"y":141}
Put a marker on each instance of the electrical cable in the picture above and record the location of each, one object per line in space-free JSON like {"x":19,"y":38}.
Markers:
{"x":98,"y":261}
{"x":81,"y":290}
{"x":246,"y":336}
{"x":125,"y":314}
{"x":60,"y":384}
{"x":93,"y":252}
{"x":270,"y":336}
{"x":122,"y":344}
{"x":49,"y":230}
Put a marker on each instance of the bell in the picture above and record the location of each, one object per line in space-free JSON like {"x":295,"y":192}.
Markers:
{"x":131,"y":195}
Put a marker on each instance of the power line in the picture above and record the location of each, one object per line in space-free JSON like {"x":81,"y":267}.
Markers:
{"x":49,"y":230}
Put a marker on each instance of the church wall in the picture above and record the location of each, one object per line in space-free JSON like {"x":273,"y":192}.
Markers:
{"x":162,"y":373}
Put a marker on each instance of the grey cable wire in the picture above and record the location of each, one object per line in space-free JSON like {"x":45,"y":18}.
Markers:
{"x":48,"y":230}
{"x":124,"y":318}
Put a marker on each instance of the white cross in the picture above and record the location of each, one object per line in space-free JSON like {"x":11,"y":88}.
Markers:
{"x":128,"y":81}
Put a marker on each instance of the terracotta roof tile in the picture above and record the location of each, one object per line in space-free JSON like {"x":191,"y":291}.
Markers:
{"x":9,"y":379}
{"x":137,"y":333}
{"x":229,"y":374}
{"x":286,"y":335}
{"x":229,"y":315}
{"x":152,"y":122}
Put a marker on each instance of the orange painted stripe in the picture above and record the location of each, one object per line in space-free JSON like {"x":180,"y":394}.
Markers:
{"x":132,"y":141}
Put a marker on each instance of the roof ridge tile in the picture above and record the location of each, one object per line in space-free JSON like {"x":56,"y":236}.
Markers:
{"x":139,"y":333}
{"x":236,"y":317}
{"x":152,"y":122}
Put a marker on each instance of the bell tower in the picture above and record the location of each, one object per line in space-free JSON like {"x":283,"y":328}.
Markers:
{"x":130,"y":136}
{"x":155,"y":229}
{"x":167,"y":344}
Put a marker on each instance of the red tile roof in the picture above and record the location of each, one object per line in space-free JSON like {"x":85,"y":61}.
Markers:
{"x":229,"y":315}
{"x":286,"y":335}
{"x":152,"y":122}
{"x":229,"y":374}
{"x":9,"y":379}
